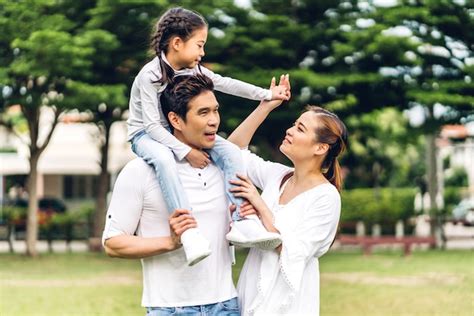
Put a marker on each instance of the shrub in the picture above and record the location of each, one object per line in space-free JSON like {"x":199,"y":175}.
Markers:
{"x":383,"y":206}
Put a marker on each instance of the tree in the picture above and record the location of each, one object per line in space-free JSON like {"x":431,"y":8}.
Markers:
{"x":114,"y":70}
{"x":44,"y":61}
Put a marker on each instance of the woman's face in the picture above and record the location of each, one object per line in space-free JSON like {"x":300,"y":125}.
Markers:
{"x":300,"y":140}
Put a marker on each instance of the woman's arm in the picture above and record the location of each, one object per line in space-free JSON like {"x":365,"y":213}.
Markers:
{"x":244,"y":188}
{"x":243,"y":134}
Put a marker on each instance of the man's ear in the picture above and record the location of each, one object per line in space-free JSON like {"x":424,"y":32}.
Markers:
{"x":321,"y":149}
{"x":175,"y":120}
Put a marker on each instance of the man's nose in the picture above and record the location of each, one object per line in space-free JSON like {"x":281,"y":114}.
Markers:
{"x":214,"y":119}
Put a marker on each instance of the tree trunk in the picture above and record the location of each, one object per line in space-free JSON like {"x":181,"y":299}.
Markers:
{"x":32,"y":218}
{"x":32,"y":115}
{"x":432,"y":185}
{"x":102,"y":190}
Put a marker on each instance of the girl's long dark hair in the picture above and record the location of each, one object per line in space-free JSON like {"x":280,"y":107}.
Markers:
{"x":174,"y":22}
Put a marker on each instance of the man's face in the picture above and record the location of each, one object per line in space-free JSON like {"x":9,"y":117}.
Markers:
{"x":202,"y":121}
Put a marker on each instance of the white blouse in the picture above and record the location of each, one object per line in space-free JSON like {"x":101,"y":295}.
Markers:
{"x":288,"y":283}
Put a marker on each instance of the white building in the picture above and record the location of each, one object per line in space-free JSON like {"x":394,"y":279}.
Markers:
{"x":69,"y":166}
{"x":457,"y":143}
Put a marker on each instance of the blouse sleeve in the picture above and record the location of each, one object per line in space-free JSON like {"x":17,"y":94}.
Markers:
{"x":312,"y":236}
{"x":149,"y":96}
{"x":260,"y":171}
{"x":236,"y":87}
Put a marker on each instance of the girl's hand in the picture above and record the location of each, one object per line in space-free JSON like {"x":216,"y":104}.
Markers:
{"x":198,"y":158}
{"x":280,"y":93}
{"x":283,"y":90}
{"x":244,"y":188}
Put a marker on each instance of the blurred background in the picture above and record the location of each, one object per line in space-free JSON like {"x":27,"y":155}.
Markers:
{"x":398,"y":73}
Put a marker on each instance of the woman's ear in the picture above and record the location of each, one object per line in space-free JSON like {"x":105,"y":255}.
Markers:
{"x":175,"y":120}
{"x":321,"y":149}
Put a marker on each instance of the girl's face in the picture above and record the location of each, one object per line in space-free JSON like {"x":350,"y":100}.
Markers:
{"x":189,"y":53}
{"x":300,"y":140}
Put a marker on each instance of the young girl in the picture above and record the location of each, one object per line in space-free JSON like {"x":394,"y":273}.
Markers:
{"x":178,"y":42}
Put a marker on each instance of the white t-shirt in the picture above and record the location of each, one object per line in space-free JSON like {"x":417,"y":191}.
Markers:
{"x":137,"y":208}
{"x":145,"y":112}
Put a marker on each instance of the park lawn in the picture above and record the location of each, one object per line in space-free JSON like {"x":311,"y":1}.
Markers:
{"x":426,"y":283}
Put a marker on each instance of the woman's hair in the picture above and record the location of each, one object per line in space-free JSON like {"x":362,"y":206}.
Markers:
{"x":333,"y":132}
{"x":174,"y":22}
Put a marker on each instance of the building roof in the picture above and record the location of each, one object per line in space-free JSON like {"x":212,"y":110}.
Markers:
{"x":73,"y":149}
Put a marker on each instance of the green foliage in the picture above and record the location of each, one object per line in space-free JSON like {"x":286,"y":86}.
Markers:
{"x":458,"y":178}
{"x":452,"y":196}
{"x":383,"y":206}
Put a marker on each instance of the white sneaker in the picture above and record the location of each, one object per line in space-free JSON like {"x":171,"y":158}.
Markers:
{"x":195,"y":246}
{"x":250,"y":232}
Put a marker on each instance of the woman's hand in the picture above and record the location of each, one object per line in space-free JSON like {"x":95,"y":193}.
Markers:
{"x":244,"y":188}
{"x":180,"y":221}
{"x":280,"y":93}
{"x":198,"y":158}
{"x":246,"y":209}
{"x":283,"y":90}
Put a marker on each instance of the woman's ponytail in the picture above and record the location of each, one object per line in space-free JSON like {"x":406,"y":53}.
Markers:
{"x":333,"y":132}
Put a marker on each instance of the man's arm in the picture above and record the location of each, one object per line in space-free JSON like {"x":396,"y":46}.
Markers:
{"x":243,"y":134}
{"x":125,"y":213}
{"x":134,"y":247}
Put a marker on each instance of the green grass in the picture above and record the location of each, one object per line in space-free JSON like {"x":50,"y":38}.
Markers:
{"x":426,"y":283}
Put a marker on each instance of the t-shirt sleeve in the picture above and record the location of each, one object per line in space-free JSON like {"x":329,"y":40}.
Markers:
{"x":260,"y":171}
{"x":126,"y":205}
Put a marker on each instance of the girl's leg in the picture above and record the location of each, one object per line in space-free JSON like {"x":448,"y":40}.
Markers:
{"x":228,"y":158}
{"x":249,"y":231}
{"x":162,"y":160}
{"x":195,"y":246}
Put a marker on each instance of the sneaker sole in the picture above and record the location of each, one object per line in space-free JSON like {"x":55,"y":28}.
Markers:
{"x":199,"y":258}
{"x":263,"y":244}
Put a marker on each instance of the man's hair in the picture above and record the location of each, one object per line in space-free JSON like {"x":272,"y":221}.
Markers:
{"x":175,"y":98}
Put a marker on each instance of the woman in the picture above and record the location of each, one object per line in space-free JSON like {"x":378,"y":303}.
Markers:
{"x":301,"y":203}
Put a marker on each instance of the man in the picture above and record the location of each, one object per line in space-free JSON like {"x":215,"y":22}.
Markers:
{"x":137,"y":224}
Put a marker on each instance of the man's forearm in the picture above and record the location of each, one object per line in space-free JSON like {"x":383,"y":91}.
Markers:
{"x":134,"y":247}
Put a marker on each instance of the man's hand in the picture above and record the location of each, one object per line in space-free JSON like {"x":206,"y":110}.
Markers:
{"x":198,"y":158}
{"x":180,"y":221}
